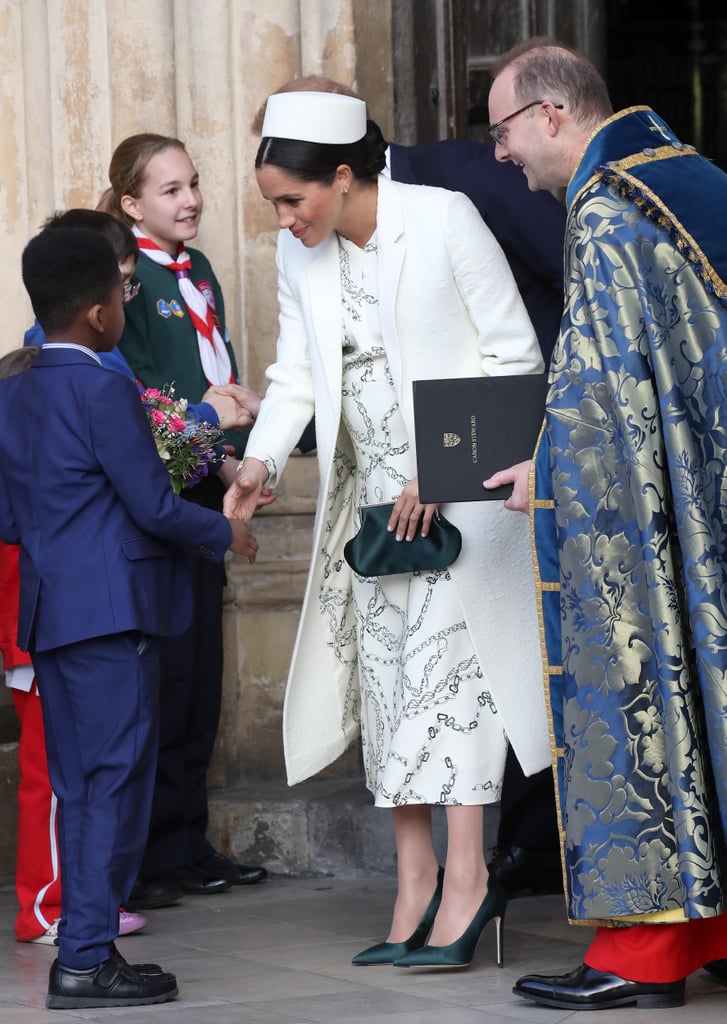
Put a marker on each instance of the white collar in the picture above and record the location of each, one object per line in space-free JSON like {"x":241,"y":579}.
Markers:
{"x":78,"y":348}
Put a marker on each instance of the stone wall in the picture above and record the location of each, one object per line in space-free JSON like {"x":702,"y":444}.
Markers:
{"x":77,"y":77}
{"x":80,"y":75}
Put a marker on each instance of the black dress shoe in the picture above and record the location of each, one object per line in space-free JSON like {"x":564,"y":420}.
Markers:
{"x":110,"y":983}
{"x":141,"y":968}
{"x":236,"y":874}
{"x":152,"y":894}
{"x":196,"y":881}
{"x":519,"y":871}
{"x":588,"y":989}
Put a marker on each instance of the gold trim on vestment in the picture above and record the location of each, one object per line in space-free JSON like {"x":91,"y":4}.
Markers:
{"x":548,"y":670}
{"x":609,"y":120}
{"x":685,"y":243}
{"x":683,"y":240}
{"x":642,"y":157}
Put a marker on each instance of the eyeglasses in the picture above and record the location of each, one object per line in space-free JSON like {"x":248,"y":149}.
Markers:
{"x":494,"y":129}
{"x":131,"y":289}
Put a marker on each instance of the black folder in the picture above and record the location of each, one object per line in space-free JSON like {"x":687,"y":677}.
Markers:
{"x":468,"y":428}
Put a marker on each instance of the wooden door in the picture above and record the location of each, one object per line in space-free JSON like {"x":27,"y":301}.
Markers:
{"x":672,"y":56}
{"x":443,"y":50}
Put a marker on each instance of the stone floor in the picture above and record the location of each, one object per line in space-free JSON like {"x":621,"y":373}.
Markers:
{"x":280,"y":953}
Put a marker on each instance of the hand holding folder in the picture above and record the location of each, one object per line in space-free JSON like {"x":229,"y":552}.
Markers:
{"x":468,"y":428}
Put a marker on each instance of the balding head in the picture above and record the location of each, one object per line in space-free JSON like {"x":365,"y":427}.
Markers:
{"x":545,"y":68}
{"x":545,"y":102}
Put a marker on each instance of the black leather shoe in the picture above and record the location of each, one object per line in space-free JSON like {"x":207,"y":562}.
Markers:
{"x":236,"y":874}
{"x":519,"y":871}
{"x":152,"y":894}
{"x":717,"y":970}
{"x":111,"y":983}
{"x":196,"y":881}
{"x":588,"y":989}
{"x":141,"y":968}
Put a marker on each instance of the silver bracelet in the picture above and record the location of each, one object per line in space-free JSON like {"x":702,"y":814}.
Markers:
{"x":269,"y":465}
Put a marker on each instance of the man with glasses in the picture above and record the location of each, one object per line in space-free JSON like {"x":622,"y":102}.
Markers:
{"x":631,"y":502}
{"x":498,"y":134}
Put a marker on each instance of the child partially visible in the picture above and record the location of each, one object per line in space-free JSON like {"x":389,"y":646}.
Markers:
{"x":102,"y":575}
{"x":233,"y":410}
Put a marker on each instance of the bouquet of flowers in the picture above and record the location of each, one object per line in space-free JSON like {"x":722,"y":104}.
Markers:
{"x":185,"y":446}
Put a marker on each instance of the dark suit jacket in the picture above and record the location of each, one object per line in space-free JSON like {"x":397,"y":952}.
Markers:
{"x":529,"y":226}
{"x":85,"y":494}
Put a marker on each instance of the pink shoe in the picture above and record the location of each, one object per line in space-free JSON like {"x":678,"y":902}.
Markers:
{"x":130,"y":923}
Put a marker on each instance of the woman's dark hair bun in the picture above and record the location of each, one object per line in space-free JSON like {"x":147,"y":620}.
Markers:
{"x":374,"y":148}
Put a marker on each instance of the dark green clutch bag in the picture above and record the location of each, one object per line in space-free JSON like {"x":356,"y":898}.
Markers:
{"x":374,"y":551}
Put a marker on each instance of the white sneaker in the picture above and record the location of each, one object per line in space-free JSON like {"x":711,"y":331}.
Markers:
{"x":50,"y":936}
{"x":128,"y":924}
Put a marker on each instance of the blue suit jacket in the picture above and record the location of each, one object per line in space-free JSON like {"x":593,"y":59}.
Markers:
{"x":85,"y":494}
{"x":529,"y":226}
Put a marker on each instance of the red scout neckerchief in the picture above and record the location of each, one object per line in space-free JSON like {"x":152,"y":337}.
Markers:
{"x":212,"y":352}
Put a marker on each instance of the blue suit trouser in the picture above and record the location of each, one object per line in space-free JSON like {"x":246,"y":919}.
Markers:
{"x":101,"y":719}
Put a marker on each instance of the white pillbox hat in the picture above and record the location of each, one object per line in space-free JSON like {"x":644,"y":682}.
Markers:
{"x":326,"y":117}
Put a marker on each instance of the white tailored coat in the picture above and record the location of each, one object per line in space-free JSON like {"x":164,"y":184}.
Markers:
{"x":449,"y":307}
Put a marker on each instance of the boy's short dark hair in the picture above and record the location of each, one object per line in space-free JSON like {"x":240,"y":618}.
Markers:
{"x":119,"y":234}
{"x":66,"y":270}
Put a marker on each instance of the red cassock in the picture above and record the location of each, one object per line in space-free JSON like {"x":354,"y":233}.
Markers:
{"x":659,"y":952}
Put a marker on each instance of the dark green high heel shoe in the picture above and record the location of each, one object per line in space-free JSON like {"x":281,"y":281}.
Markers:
{"x":388,"y":952}
{"x":460,"y":952}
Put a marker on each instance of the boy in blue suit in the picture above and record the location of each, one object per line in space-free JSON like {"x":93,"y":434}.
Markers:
{"x":85,"y":495}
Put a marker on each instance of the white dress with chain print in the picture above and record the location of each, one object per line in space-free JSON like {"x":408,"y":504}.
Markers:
{"x":430,"y":731}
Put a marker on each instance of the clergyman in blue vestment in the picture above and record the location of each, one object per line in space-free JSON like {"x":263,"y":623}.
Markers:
{"x":629,"y":503}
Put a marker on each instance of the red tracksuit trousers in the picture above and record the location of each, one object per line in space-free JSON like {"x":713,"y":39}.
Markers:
{"x":37,"y":875}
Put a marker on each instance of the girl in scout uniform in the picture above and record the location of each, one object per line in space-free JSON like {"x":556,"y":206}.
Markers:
{"x":175,"y":334}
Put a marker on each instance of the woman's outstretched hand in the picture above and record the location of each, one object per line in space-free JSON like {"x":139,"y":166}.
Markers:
{"x":247,"y":491}
{"x":409,"y":512}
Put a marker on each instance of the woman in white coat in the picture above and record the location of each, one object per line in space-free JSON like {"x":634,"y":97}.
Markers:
{"x":379,"y":284}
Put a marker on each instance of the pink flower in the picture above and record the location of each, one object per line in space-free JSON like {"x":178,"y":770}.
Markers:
{"x":176,"y":423}
{"x":185,"y":448}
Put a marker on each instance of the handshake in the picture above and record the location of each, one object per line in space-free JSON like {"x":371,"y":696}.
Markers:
{"x":246,"y":493}
{"x":243,"y":539}
{"x":239,"y":503}
{"x":236,"y":406}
